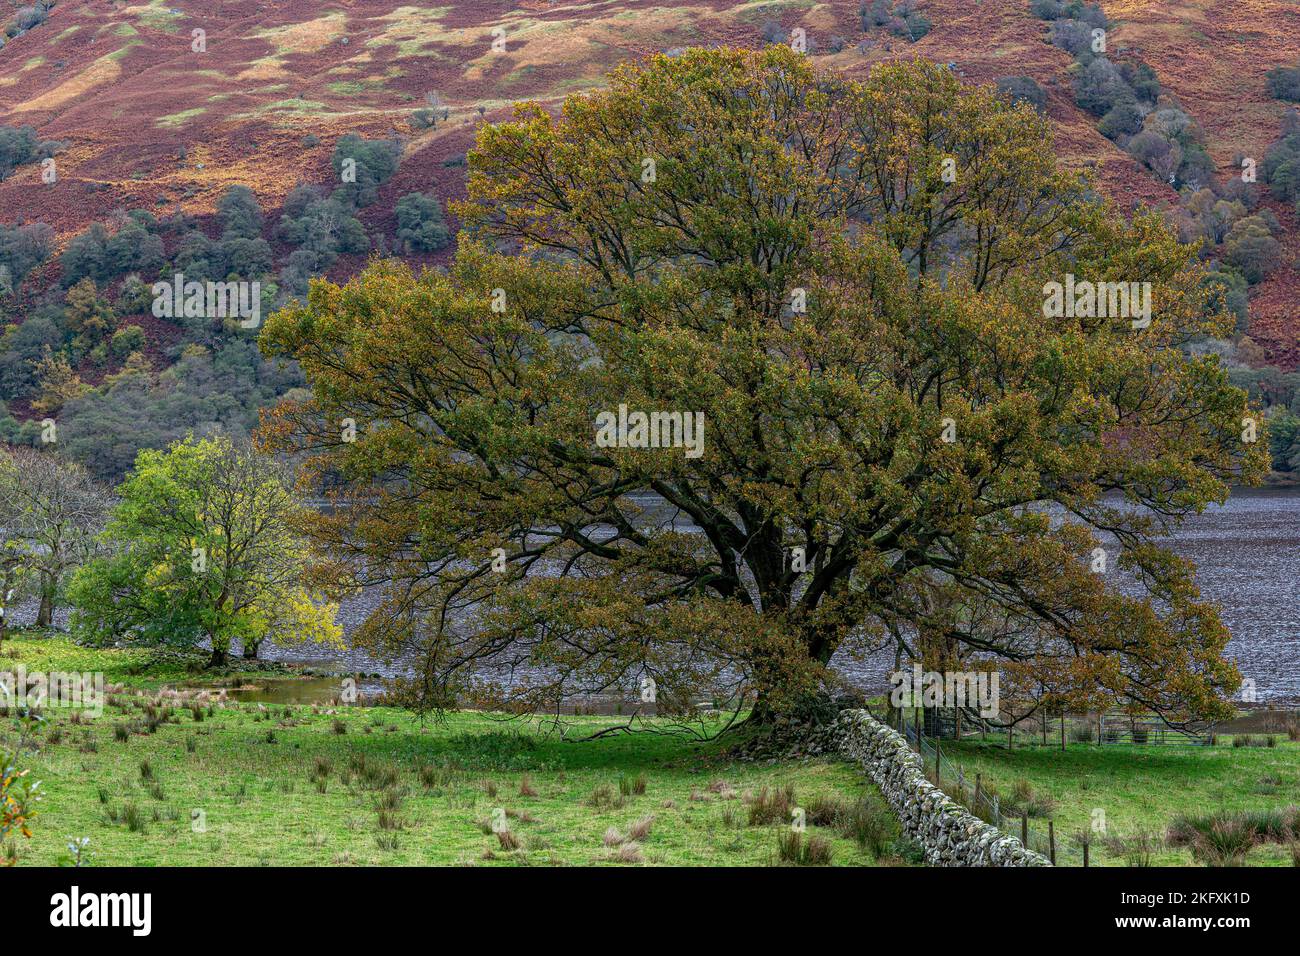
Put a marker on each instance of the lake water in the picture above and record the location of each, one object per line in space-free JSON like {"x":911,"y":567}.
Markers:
{"x":1248,"y":558}
{"x":1247,"y":555}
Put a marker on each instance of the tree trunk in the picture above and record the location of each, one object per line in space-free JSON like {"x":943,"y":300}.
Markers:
{"x":218,"y":658}
{"x":45,"y":614}
{"x":250,"y":650}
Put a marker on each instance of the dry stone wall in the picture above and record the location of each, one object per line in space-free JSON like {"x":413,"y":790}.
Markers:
{"x":949,"y":833}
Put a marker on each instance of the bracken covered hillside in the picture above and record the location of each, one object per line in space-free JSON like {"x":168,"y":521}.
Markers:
{"x":148,"y":115}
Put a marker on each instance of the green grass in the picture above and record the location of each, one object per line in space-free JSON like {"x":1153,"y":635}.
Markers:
{"x":131,"y":667}
{"x":395,"y":792}
{"x":1137,"y":789}
{"x":179,"y":119}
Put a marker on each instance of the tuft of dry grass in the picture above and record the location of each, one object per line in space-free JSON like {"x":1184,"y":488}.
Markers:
{"x":793,"y":849}
{"x":639,"y":830}
{"x":771,"y":806}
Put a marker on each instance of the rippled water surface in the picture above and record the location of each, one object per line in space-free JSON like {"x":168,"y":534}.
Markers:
{"x":1248,"y":558}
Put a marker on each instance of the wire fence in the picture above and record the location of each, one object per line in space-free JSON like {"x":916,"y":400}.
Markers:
{"x":1009,"y":816}
{"x":1027,"y":815}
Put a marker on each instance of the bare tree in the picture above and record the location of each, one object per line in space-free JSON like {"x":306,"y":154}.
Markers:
{"x":52,"y":512}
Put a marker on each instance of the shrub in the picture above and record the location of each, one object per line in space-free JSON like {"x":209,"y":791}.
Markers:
{"x":240,"y":214}
{"x":1123,"y":119}
{"x":420,"y":226}
{"x":375,"y":162}
{"x":128,"y":339}
{"x":1023,"y":88}
{"x":1251,"y":249}
{"x":1101,"y":87}
{"x":1284,"y":83}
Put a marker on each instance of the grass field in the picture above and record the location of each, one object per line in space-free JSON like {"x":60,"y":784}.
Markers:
{"x":1137,"y":792}
{"x":159,"y":781}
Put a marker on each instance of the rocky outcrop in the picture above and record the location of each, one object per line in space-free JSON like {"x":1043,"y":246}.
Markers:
{"x":949,"y":833}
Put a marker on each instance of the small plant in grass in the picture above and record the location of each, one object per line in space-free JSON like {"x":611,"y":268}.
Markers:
{"x":102,"y":793}
{"x":389,"y":820}
{"x":386,"y":841}
{"x":603,"y":797}
{"x":121,"y":733}
{"x":771,"y":806}
{"x":191,"y":744}
{"x":339,"y":727}
{"x":823,"y":811}
{"x":129,"y":815}
{"x":1295,"y":854}
{"x":1225,"y":843}
{"x":526,"y":787}
{"x":508,"y":839}
{"x":640,"y":829}
{"x":612,"y":837}
{"x":795,"y":849}
{"x":628,"y":853}
{"x":432,"y":777}
{"x":146,"y":770}
{"x":1025,"y":799}
{"x":1138,"y":849}
{"x":869,"y":824}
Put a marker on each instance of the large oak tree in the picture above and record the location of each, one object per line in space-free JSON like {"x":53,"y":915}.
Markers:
{"x":847,"y":279}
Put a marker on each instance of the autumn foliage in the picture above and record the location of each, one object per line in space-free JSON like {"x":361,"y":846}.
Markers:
{"x":847,"y":280}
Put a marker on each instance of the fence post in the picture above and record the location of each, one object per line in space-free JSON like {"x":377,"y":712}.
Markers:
{"x":978,"y":788}
{"x":1051,"y":842}
{"x":1024,"y":828}
{"x":938,"y":774}
{"x":1085,"y":852}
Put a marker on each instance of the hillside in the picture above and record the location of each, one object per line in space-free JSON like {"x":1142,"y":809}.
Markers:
{"x":150,"y":116}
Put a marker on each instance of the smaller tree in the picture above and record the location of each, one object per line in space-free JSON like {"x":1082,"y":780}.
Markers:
{"x":53,"y":511}
{"x":241,"y":215}
{"x":15,"y":567}
{"x":204,"y":549}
